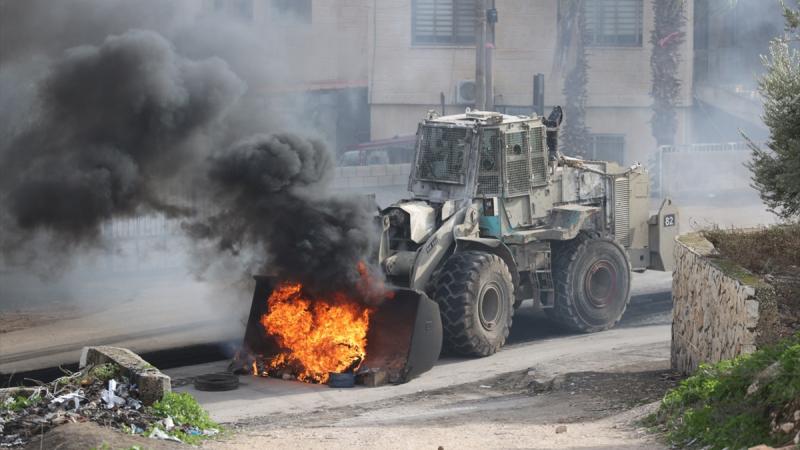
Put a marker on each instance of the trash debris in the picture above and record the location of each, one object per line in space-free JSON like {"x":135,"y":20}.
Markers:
{"x":74,"y":396}
{"x":78,"y":397}
{"x":168,"y":423}
{"x":157,"y":433}
{"x":110,"y":397}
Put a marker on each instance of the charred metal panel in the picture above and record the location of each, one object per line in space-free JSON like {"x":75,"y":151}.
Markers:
{"x":405,"y":336}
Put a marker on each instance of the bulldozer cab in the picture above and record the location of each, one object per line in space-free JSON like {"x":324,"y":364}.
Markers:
{"x":478,"y":154}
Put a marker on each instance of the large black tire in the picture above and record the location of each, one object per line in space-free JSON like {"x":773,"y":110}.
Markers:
{"x":592,"y":277}
{"x":475,"y":293}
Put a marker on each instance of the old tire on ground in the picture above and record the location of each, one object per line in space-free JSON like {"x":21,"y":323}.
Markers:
{"x":475,"y":295}
{"x":592,"y":278}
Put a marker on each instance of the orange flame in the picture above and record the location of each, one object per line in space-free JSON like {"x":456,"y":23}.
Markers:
{"x":318,"y":335}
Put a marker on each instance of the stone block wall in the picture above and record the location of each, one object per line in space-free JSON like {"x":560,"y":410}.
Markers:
{"x":377,"y":176}
{"x":720,"y":311}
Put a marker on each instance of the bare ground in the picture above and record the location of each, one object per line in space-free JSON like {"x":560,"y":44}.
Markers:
{"x":87,"y":435}
{"x":20,"y":320}
{"x":517,"y":410}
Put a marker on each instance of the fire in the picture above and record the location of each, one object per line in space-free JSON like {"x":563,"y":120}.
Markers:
{"x":317,"y":335}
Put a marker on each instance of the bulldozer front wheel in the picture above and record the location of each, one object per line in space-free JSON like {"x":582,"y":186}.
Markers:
{"x":592,"y":282}
{"x":475,"y":295}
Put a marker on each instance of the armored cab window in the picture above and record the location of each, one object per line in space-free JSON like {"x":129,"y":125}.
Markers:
{"x":442,"y":154}
{"x":489,"y":163}
{"x":518,"y":167}
{"x":538,"y":156}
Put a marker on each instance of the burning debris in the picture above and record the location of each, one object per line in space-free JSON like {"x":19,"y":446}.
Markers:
{"x":318,"y":336}
{"x":293,"y":334}
{"x":98,"y":394}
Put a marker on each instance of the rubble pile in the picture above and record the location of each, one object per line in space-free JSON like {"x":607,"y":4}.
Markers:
{"x":97,"y":394}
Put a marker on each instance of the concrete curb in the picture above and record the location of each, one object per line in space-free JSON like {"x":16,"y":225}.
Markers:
{"x":153,"y":384}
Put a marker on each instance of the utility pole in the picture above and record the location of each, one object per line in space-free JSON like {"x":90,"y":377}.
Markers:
{"x":491,"y":19}
{"x":480,"y":55}
{"x":486,"y":15}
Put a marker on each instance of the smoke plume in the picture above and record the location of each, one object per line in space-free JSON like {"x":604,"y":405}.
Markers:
{"x":272,"y":189}
{"x":114,"y":121}
{"x":113,"y":110}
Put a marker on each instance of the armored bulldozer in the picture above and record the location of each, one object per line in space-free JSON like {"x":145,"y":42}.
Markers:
{"x":499,"y":216}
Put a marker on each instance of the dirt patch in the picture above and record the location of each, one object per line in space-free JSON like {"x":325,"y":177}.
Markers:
{"x":21,"y":320}
{"x":87,"y":435}
{"x":508,"y":411}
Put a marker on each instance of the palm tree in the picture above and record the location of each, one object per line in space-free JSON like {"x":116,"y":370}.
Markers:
{"x":667,"y":37}
{"x":571,"y":59}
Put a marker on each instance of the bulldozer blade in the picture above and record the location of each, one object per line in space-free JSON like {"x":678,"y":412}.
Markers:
{"x":404,"y":338}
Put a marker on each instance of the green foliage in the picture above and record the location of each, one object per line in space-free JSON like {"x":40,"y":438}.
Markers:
{"x":712,"y":408}
{"x":21,"y":402}
{"x":107,"y":446}
{"x":105,"y":372}
{"x":776,"y":169}
{"x":184,"y":411}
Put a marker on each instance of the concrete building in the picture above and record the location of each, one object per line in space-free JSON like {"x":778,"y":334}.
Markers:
{"x":419,"y":49}
{"x":317,"y":50}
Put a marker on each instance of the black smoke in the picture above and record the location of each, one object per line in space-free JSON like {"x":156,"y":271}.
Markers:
{"x":111,"y":109}
{"x":113,"y":122}
{"x":271,"y":189}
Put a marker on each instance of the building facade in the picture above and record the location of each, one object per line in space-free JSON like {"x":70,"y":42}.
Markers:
{"x":420,"y":50}
{"x":315,"y":54}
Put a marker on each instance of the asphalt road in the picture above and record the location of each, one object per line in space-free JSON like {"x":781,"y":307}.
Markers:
{"x":643,"y":337}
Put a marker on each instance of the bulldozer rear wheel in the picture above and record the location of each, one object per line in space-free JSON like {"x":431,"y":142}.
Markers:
{"x":592,"y":278}
{"x":475,"y":295}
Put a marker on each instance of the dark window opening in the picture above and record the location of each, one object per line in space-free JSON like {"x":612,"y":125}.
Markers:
{"x":299,"y":10}
{"x":443,"y":22}
{"x":614,"y":23}
{"x":607,"y":147}
{"x":239,"y":9}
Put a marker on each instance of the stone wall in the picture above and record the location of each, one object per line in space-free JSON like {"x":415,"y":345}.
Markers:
{"x":720,"y":311}
{"x":360,"y":177}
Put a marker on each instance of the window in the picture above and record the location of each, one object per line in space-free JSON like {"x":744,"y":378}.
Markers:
{"x":614,"y":23}
{"x":607,"y":147}
{"x":443,"y":22}
{"x":244,"y":9}
{"x":299,"y":10}
{"x":240,"y":9}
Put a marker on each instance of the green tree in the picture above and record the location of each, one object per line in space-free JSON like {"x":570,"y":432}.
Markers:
{"x":776,"y":169}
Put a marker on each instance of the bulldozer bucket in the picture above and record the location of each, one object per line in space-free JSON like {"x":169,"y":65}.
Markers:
{"x":404,"y":338}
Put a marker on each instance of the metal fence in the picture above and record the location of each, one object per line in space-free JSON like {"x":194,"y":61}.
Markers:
{"x":701,"y":168}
